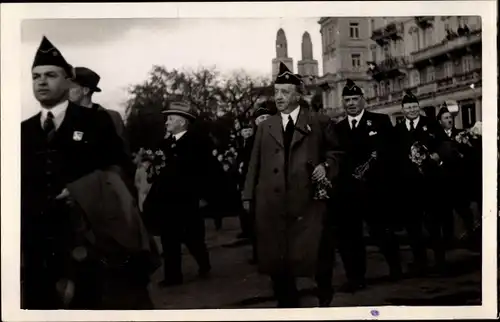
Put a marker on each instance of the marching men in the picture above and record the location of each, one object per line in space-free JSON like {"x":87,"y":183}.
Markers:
{"x":292,"y":152}
{"x":363,"y":188}
{"x":69,"y":245}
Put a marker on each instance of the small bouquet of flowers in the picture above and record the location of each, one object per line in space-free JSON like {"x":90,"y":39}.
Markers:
{"x":418,"y":154}
{"x":157,"y":161}
{"x":466,"y":137}
{"x":321,"y":187}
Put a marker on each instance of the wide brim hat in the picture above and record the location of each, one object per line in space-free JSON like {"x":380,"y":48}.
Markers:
{"x":86,"y":77}
{"x":182,"y":109}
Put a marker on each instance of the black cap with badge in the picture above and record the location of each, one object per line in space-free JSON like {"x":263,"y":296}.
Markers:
{"x":48,"y":55}
{"x":285,"y":76}
{"x":351,"y":89}
{"x":409,"y":98}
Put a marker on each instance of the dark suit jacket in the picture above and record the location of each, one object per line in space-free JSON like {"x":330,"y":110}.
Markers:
{"x":373,"y":133}
{"x":410,"y":183}
{"x":191,"y":173}
{"x":98,"y":148}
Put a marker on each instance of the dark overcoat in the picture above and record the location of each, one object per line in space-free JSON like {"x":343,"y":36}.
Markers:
{"x":289,"y":222}
{"x":191,"y":173}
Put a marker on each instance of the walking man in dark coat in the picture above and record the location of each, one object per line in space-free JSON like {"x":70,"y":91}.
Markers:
{"x":363,"y":188}
{"x":412,"y":186}
{"x":292,"y":151}
{"x":59,"y":145}
{"x":187,"y":180}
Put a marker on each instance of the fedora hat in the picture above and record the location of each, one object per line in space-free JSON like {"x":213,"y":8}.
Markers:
{"x":86,"y":77}
{"x":182,"y":109}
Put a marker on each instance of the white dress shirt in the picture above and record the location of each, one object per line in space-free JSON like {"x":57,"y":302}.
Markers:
{"x":415,"y":123}
{"x":179,"y":135}
{"x":294,"y":114}
{"x":59,"y":111}
{"x":448,"y":132}
{"x":357,"y":118}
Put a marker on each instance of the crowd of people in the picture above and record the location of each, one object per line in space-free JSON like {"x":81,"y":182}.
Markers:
{"x":302,"y":185}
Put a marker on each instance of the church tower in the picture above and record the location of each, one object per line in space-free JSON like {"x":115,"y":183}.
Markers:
{"x":281,"y":54}
{"x":307,"y":66}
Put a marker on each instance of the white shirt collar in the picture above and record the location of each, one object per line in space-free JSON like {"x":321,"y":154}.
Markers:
{"x":357,"y":118}
{"x":415,"y":122}
{"x":294,"y":114}
{"x":59,"y":111}
{"x":179,"y":135}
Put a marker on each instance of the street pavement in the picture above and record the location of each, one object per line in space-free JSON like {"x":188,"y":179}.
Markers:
{"x":234,"y":283}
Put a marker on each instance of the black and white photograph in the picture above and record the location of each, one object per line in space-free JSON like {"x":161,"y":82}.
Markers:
{"x":249,"y":160}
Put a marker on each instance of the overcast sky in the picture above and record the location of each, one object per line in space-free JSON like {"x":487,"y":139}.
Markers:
{"x":123,"y":51}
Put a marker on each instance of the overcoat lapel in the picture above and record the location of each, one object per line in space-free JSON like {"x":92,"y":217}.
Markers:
{"x":301,"y":129}
{"x":276,"y":129}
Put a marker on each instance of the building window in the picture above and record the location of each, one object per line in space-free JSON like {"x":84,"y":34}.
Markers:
{"x":356,"y":61}
{"x":354,"y":30}
{"x":372,"y":25}
{"x":448,"y":69}
{"x":416,"y":40}
{"x":467,"y":64}
{"x":373,"y":50}
{"x":431,"y":74}
{"x":375,"y":91}
{"x":386,"y":51}
{"x":382,"y":88}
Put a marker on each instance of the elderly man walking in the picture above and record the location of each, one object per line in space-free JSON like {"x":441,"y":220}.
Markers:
{"x":292,"y":152}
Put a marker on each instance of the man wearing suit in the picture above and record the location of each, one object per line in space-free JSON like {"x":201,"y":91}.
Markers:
{"x":84,"y":85}
{"x":454,"y":176}
{"x":293,"y":150}
{"x":59,"y":145}
{"x":411,"y":186}
{"x":173,"y":203}
{"x":366,"y":140}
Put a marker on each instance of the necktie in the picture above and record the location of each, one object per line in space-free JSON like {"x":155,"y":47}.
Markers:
{"x":412,"y":126}
{"x":290,"y":127}
{"x":48,"y":126}
{"x":354,"y":122}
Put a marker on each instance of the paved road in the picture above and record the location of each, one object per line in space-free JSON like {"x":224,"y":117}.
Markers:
{"x":234,"y":283}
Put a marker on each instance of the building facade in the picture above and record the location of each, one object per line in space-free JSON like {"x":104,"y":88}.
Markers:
{"x":437,"y":58}
{"x":345,"y":52}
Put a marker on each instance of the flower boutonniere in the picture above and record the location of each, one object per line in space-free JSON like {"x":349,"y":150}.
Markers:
{"x":308,"y":128}
{"x":424,"y":128}
{"x":369,"y":122}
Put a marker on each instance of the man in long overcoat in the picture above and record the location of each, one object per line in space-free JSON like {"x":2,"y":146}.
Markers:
{"x":190,"y":175}
{"x":292,"y":151}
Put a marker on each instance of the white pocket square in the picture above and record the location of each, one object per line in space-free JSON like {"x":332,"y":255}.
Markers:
{"x":372,"y":133}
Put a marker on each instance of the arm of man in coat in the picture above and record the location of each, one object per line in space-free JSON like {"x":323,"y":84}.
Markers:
{"x":332,"y":148}
{"x":253,"y":170}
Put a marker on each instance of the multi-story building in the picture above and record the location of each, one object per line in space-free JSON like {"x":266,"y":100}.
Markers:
{"x":345,"y":51}
{"x":437,"y":58}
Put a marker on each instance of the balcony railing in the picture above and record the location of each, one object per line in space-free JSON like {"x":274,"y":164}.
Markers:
{"x":390,"y":67}
{"x":383,"y":35}
{"x":437,"y":87}
{"x":424,"y":22}
{"x":445,"y":47}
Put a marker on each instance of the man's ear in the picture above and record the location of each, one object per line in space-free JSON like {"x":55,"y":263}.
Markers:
{"x":86,"y":91}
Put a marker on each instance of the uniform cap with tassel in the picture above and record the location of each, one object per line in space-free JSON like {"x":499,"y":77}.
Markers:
{"x":285,"y":76}
{"x":409,"y":98}
{"x":351,"y":89}
{"x":48,"y":54}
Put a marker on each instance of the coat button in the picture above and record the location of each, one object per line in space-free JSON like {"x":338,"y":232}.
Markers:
{"x":275,"y":170}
